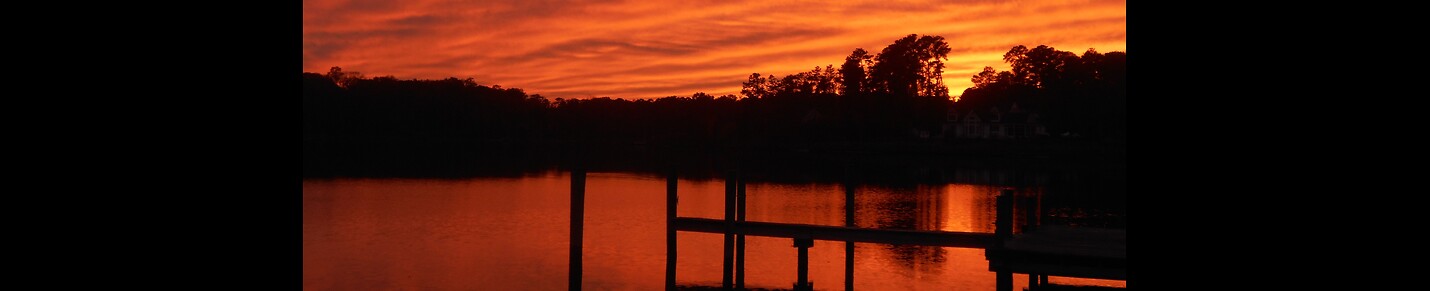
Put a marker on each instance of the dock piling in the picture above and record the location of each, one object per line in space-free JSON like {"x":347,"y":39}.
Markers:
{"x":728,"y":266}
{"x":670,"y":202}
{"x":740,"y":238}
{"x":803,"y":282}
{"x":578,"y":213}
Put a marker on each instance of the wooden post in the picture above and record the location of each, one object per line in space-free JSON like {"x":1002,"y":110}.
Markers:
{"x":1005,"y":281}
{"x":727,"y":278}
{"x":1038,"y":205}
{"x":1032,"y":281}
{"x":671,"y":200}
{"x":1028,"y":210}
{"x":848,"y":245}
{"x":1002,"y":230}
{"x":740,"y":238}
{"x":1003,"y":221}
{"x":803,"y":282}
{"x":578,"y":213}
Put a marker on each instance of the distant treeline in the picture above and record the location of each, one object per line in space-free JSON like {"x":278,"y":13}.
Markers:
{"x":892,"y":95}
{"x":897,"y":95}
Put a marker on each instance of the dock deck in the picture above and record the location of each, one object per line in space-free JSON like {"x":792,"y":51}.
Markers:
{"x":1040,"y":251}
{"x":1063,"y":251}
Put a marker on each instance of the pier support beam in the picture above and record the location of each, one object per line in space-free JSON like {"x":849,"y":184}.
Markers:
{"x":1002,"y":231}
{"x":727,"y":278}
{"x":849,"y":245}
{"x":740,"y":238}
{"x":1005,"y":281}
{"x":803,"y":282}
{"x":670,"y":203}
{"x":578,"y":213}
{"x":1003,"y":219}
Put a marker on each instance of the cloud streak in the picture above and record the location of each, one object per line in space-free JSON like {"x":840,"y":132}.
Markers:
{"x":645,"y":49}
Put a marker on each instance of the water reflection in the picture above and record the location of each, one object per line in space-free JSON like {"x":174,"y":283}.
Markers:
{"x":513,"y":233}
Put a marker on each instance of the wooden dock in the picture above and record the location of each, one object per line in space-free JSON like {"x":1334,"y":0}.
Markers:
{"x":1063,"y":251}
{"x":1040,"y":251}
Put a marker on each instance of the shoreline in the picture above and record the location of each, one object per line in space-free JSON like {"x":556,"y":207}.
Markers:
{"x":406,"y":157}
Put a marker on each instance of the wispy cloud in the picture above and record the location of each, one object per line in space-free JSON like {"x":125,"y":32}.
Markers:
{"x":642,"y":49}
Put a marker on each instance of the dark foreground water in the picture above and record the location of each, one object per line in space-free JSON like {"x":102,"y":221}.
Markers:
{"x":512,"y":233}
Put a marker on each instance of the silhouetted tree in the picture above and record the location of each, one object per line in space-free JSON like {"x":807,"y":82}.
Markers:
{"x":820,"y":80}
{"x":912,"y":66}
{"x":342,"y":79}
{"x":1084,"y":95}
{"x":853,"y":71}
{"x":755,"y":87}
{"x":1040,"y":66}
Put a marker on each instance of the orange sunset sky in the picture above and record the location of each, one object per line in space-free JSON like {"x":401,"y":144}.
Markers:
{"x":655,"y":48}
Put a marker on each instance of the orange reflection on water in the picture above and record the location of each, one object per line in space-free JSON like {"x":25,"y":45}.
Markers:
{"x":512,"y":234}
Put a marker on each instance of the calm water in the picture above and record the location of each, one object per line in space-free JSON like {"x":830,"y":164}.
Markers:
{"x":512,"y":234}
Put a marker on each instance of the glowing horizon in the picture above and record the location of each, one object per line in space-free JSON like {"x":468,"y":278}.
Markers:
{"x":648,"y":49}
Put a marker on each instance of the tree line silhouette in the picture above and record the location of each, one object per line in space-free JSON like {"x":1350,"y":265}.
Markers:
{"x":1085,"y":95}
{"x":893,"y":95}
